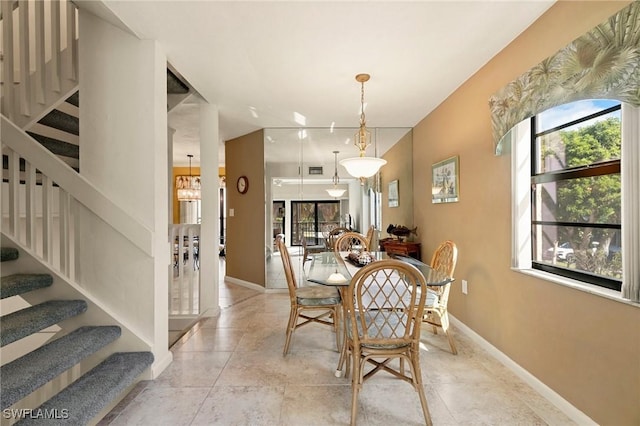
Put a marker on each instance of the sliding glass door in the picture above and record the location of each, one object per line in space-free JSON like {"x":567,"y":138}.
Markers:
{"x":310,"y":218}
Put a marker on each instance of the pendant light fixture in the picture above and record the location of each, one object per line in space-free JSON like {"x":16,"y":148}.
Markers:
{"x":335,"y":192}
{"x":190,"y":191}
{"x":362,"y":167}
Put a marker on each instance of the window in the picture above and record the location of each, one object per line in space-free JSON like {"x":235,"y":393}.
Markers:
{"x":576,"y":192}
{"x":555,"y":231}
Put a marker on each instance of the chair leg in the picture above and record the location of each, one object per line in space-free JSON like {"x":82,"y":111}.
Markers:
{"x":414,"y":364}
{"x":425,"y":407}
{"x":341,"y":340}
{"x":291,"y":325}
{"x":444,"y":320}
{"x":356,"y":384}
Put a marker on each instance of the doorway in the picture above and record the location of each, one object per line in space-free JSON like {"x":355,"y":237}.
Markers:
{"x":278,"y":225}
{"x":310,"y":218}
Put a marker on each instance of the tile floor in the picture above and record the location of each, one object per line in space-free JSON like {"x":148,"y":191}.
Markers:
{"x":229,"y":370}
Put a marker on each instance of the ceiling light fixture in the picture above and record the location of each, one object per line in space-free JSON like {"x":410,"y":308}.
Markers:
{"x":335,"y":192}
{"x":190,"y":191}
{"x":362,"y":167}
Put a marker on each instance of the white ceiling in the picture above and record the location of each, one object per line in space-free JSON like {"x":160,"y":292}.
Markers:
{"x":277,"y":64}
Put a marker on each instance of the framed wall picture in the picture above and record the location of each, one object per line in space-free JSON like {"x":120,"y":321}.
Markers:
{"x":445,"y":181}
{"x":393,"y":193}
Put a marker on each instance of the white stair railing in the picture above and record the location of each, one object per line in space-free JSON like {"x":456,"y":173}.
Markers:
{"x":40,"y":67}
{"x":46,"y":211}
{"x":184,"y":288}
{"x":60,"y":218}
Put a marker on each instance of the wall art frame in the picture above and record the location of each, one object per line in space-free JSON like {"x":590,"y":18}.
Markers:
{"x":393,"y":196}
{"x":445,"y":181}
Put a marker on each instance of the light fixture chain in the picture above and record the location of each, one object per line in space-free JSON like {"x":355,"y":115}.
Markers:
{"x":362,"y":118}
{"x":336,"y":178}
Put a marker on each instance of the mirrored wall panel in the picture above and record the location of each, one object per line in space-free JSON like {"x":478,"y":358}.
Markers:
{"x":302,"y":174}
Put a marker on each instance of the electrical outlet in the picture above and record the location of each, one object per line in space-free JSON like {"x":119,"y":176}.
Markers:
{"x":465,"y":288}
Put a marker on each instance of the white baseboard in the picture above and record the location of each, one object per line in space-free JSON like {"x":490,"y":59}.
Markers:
{"x":159,"y":366}
{"x":211,"y":312}
{"x":244,"y":283}
{"x":562,"y":404}
{"x":276,"y":290}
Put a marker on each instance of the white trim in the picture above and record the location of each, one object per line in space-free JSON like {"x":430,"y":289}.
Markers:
{"x":276,"y":290}
{"x":553,"y":397}
{"x":77,"y":186}
{"x":159,"y":365}
{"x":211,"y":312}
{"x":520,"y":195}
{"x":244,"y":283}
{"x":578,"y":285}
{"x":630,"y":172}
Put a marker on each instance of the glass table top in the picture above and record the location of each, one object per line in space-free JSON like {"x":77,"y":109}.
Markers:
{"x":327,"y":269}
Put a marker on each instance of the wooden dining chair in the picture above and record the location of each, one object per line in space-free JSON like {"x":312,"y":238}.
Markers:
{"x":383,"y":309}
{"x":349,"y":241}
{"x":333,"y":236}
{"x":370,"y":235}
{"x":307,"y":250}
{"x":444,"y":259}
{"x":325,"y":301}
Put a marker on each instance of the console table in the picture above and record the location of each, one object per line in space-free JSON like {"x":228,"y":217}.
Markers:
{"x":405,"y":248}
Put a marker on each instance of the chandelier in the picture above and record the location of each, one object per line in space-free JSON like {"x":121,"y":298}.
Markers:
{"x":335,"y":192}
{"x":190,"y":191}
{"x":362,"y":167}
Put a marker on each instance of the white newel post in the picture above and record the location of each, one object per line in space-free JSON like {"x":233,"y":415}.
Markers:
{"x":123,"y":128}
{"x":210,"y":228}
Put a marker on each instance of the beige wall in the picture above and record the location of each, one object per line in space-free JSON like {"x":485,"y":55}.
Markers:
{"x":245,"y":247}
{"x":398,"y":167}
{"x":585,"y":347}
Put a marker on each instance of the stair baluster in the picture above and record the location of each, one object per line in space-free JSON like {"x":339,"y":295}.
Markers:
{"x":27,"y":95}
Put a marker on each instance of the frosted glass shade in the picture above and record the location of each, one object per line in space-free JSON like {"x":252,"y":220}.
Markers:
{"x":362,"y":166}
{"x":335,"y":192}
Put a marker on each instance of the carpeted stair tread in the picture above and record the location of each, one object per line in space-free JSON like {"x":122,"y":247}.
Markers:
{"x":74,"y":99}
{"x":26,"y":374}
{"x":175,"y":86}
{"x":22,"y":323}
{"x":86,"y":397}
{"x":8,"y":253}
{"x":16,"y":284}
{"x":61,"y":121}
{"x":57,"y":146}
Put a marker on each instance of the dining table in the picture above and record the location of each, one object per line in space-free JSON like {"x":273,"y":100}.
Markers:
{"x":335,"y":269}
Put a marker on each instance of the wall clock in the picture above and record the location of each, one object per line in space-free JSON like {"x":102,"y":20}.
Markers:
{"x":243,"y":184}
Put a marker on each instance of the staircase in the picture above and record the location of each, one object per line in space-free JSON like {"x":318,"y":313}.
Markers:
{"x":45,"y":102}
{"x":59,"y":131}
{"x":85,"y":397}
{"x":58,"y":229}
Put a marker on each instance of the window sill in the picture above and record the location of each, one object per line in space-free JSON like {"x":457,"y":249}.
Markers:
{"x":578,"y":285}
